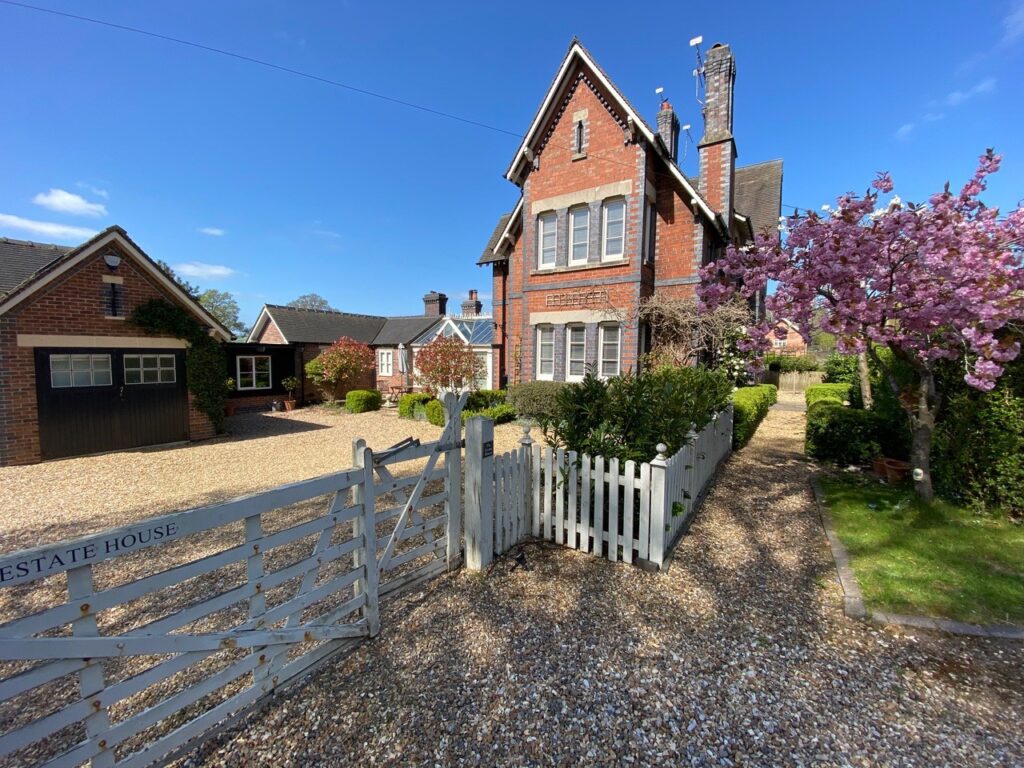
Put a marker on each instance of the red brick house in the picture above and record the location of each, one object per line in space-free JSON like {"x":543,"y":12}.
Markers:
{"x":76,"y":376}
{"x":792,"y":344}
{"x":606,"y":217}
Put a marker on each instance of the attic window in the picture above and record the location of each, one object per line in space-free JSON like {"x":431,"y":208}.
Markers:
{"x":579,"y":136}
{"x":114,"y":300}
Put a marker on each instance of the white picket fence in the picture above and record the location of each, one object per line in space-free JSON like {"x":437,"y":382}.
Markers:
{"x":607,"y":508}
{"x":158,"y":631}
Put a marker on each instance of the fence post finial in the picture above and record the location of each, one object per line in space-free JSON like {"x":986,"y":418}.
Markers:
{"x":691,"y":436}
{"x":526,"y":439}
{"x":662,"y":451}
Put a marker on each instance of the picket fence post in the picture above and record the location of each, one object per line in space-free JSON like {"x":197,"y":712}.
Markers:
{"x":659,"y":501}
{"x":525,"y":489}
{"x":479,"y":493}
{"x":453,"y":482}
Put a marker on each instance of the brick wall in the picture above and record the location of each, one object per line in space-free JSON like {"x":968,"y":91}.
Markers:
{"x":74,"y":304}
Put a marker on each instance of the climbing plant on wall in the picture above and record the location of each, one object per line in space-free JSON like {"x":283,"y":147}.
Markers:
{"x":204,"y":360}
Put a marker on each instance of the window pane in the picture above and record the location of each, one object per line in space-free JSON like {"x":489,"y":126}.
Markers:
{"x":245,"y":381}
{"x":132,"y":361}
{"x":614,"y":221}
{"x":262,"y":364}
{"x":101,"y":378}
{"x":81,"y":378}
{"x":81,"y":363}
{"x":149,"y":361}
{"x":546,"y":351}
{"x":244,"y":366}
{"x":577,"y":352}
{"x":167,"y":361}
{"x":547,"y":239}
{"x":609,"y":351}
{"x":150,"y":376}
{"x":60,"y":379}
{"x":101,"y":362}
{"x":166,"y":375}
{"x":132,"y":376}
{"x":60,"y":362}
{"x":580,"y":234}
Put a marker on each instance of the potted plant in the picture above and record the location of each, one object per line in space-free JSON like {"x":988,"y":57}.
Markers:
{"x":229,"y":388}
{"x":290,"y":383}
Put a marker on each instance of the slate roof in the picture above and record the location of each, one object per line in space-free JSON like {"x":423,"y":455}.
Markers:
{"x":21,"y":259}
{"x":478,"y":331}
{"x":316,"y":326}
{"x":759,"y":194}
{"x":488,"y":256}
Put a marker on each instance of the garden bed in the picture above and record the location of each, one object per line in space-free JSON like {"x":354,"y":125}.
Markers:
{"x":936,"y":560}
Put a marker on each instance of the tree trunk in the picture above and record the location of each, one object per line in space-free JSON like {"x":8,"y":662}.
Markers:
{"x":922,"y":425}
{"x":864,"y":374}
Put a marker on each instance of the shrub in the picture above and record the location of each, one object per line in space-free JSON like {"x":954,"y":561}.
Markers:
{"x":627,"y":416}
{"x":340,"y":366}
{"x":499,"y":414}
{"x":843,"y":435}
{"x":839,"y":393}
{"x":978,"y":452}
{"x":534,"y":399}
{"x":750,"y":406}
{"x":363,"y":400}
{"x":840,"y":369}
{"x":485,"y":398}
{"x":447,"y":363}
{"x":407,"y":404}
{"x":792,"y":363}
{"x":435,"y":412}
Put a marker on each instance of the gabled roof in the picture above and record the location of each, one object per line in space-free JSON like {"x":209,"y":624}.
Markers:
{"x":316,"y":326}
{"x":488,"y":255}
{"x":758,"y":194}
{"x":48,"y":270}
{"x":500,"y":237}
{"x":475,"y":330}
{"x":577,"y":55}
{"x":21,"y":259}
{"x":402,"y":330}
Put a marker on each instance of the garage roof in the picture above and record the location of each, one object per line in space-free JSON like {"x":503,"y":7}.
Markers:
{"x":21,"y":259}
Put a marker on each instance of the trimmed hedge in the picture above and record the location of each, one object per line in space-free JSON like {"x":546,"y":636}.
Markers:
{"x":535,"y":399}
{"x":750,"y":405}
{"x":435,"y":412}
{"x":792,"y":363}
{"x":839,"y":393}
{"x":407,"y":404}
{"x":501,"y":413}
{"x":363,"y":400}
{"x":841,"y":369}
{"x":485,"y":398}
{"x":843,"y":435}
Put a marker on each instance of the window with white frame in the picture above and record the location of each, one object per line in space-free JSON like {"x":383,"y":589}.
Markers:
{"x":611,"y":348}
{"x":385,"y":362}
{"x":547,"y":240}
{"x":483,"y":380}
{"x":545,"y":352}
{"x":778,"y":343}
{"x":79,"y":371}
{"x":614,"y":230}
{"x":579,"y":245}
{"x":575,"y":352}
{"x":149,"y":369}
{"x":253,"y":372}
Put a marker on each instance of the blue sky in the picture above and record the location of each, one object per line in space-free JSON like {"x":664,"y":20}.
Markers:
{"x":272,"y":186}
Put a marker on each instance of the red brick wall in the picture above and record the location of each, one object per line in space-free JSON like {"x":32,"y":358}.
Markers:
{"x":271,"y":334}
{"x":73,"y":304}
{"x":795,"y":344}
{"x":397,"y":378}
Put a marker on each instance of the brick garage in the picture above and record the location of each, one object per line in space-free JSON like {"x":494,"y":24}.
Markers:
{"x":75,"y":375}
{"x":607,"y":218}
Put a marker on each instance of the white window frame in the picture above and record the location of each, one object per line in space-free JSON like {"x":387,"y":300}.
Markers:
{"x":569,"y":330}
{"x":572,"y":236}
{"x":385,"y":362}
{"x":541,"y":330}
{"x":605,"y":208}
{"x":254,"y":358}
{"x":163,"y":363}
{"x":544,"y":220}
{"x":601,"y":359}
{"x":485,"y":378}
{"x":92,"y":370}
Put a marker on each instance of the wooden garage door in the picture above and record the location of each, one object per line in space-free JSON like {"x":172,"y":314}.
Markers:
{"x":93,"y":400}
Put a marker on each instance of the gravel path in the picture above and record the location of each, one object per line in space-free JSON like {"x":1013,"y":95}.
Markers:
{"x":739,"y":655}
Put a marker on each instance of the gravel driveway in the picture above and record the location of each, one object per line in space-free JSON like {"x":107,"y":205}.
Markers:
{"x":72,"y":497}
{"x":738,"y":655}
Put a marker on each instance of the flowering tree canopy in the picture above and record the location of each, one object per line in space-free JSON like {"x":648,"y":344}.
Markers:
{"x":449,"y":364}
{"x":936,"y":281}
{"x":340,"y":367}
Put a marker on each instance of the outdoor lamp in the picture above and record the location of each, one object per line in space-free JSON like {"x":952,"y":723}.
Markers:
{"x":112,"y":260}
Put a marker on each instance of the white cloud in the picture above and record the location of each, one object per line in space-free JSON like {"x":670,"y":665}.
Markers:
{"x":933,"y":117}
{"x":1013,"y":24}
{"x":212,"y":231}
{"x":956,"y":98}
{"x":904,"y":131}
{"x":47,"y":229}
{"x":200,"y":270}
{"x":62,"y":201}
{"x":92,"y":190}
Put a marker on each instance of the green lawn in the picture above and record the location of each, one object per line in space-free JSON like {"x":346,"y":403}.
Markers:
{"x":934,"y":560}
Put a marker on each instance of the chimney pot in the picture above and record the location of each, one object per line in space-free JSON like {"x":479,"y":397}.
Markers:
{"x":435,"y":304}
{"x":472,"y":305}
{"x":668,"y":128}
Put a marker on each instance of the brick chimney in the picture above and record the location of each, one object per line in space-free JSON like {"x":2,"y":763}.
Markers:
{"x":717,"y":149}
{"x":472,"y":305}
{"x":668,"y":127}
{"x":435,"y":304}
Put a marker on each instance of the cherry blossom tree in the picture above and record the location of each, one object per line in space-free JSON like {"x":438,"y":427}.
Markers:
{"x":932,"y":282}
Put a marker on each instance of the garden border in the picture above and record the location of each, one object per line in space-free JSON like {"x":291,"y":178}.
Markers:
{"x":853,"y":600}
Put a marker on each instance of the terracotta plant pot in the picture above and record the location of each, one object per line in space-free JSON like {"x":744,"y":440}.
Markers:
{"x":289,"y":405}
{"x":878,"y":467}
{"x":896,"y":471}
